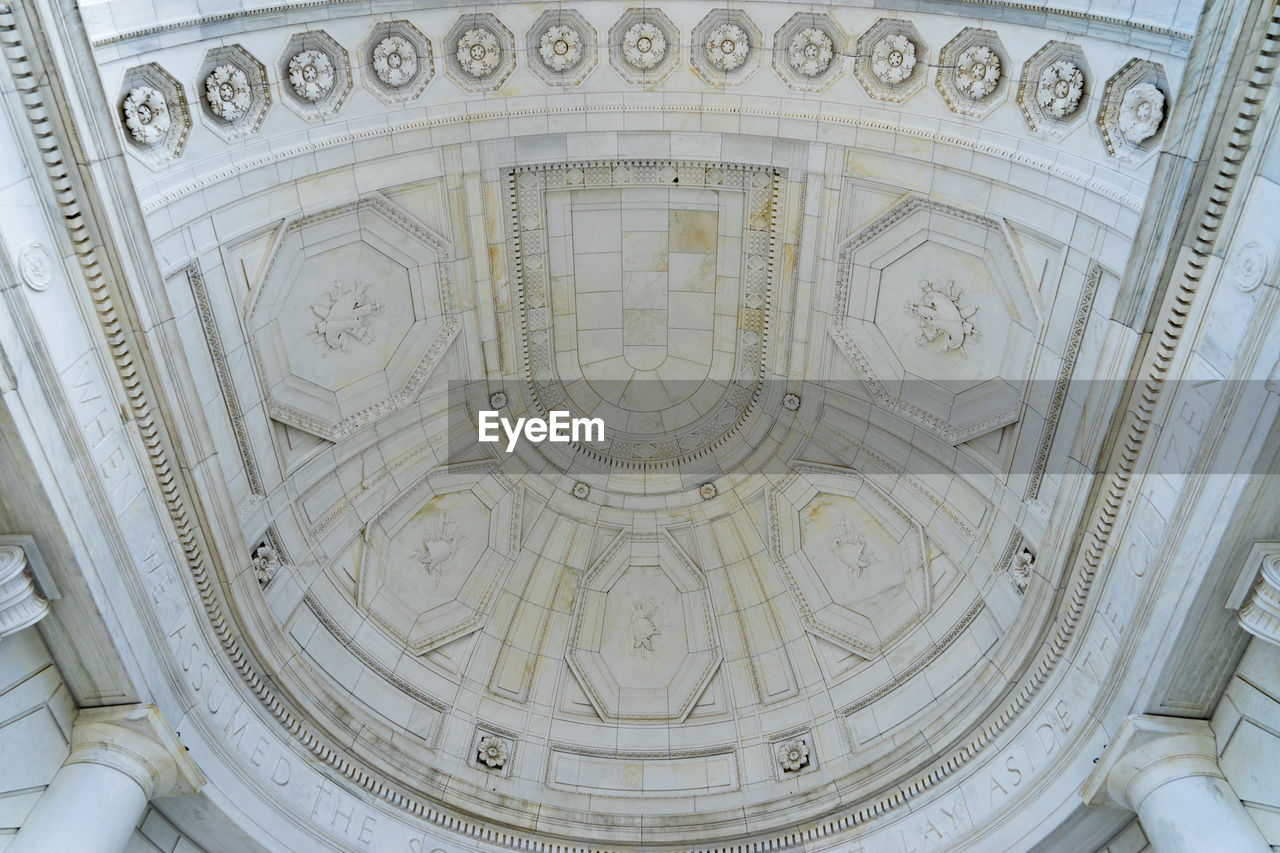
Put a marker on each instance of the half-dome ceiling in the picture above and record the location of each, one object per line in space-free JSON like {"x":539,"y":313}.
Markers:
{"x":827,"y":275}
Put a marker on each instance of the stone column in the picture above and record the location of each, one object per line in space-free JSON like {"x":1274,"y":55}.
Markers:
{"x":120,"y":758}
{"x":20,"y":605}
{"x":1166,"y":769}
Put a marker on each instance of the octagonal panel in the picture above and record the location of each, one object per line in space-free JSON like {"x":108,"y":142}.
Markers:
{"x":233,"y":92}
{"x":973,"y":72}
{"x":353,"y":313}
{"x":935,"y":313}
{"x":562,"y":47}
{"x":891,"y":60}
{"x":808,"y":51}
{"x":727,"y":47}
{"x":315,"y":74}
{"x":854,"y":562}
{"x":1134,"y":110}
{"x":398,"y":61}
{"x":153,"y":114}
{"x":1054,"y":89}
{"x":643,"y":641}
{"x":644,"y":46}
{"x":432,"y":562}
{"x":479,"y":52}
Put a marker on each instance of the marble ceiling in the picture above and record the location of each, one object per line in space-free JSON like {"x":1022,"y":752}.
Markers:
{"x":834,"y":277}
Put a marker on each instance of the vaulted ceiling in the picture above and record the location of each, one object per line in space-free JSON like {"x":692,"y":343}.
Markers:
{"x":843,"y":283}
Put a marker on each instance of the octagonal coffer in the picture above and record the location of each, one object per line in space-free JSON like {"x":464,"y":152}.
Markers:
{"x":934,"y":311}
{"x":855,"y":563}
{"x":643,"y":642}
{"x":433,"y":561}
{"x":353,"y":313}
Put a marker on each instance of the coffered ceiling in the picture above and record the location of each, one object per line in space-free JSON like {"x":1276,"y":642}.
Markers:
{"x":831,"y":277}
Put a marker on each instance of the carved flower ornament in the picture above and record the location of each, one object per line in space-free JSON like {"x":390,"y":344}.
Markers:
{"x":311,"y":74}
{"x":560,"y":47}
{"x":479,"y":52}
{"x":793,"y":755}
{"x":1141,"y":112}
{"x":644,"y":45}
{"x":227,"y":92}
{"x":492,"y":752}
{"x":893,"y":59}
{"x":395,"y":61}
{"x":810,"y":51}
{"x":727,"y":46}
{"x":977,"y":72}
{"x":146,"y":115}
{"x":1060,"y":89}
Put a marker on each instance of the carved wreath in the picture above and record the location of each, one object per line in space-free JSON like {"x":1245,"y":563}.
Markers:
{"x":227,"y":92}
{"x":311,"y":74}
{"x":1141,"y":113}
{"x":395,"y":61}
{"x":479,"y":52}
{"x":560,"y":47}
{"x":146,"y":115}
{"x":727,"y":46}
{"x":810,"y":51}
{"x":1060,"y":89}
{"x":644,"y":44}
{"x":977,"y":72}
{"x":893,"y":59}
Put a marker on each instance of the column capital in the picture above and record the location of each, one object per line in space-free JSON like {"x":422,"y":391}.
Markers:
{"x":20,"y":605}
{"x":135,"y":740}
{"x":1256,"y":595}
{"x":1147,"y":752}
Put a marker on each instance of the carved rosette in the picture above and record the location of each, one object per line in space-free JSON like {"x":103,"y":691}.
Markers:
{"x":1132,"y":114}
{"x":644,"y":46}
{"x":1060,"y":89}
{"x":234,"y":92}
{"x":893,"y":59}
{"x":1141,"y":113}
{"x":793,"y":755}
{"x":1052,"y":89}
{"x":971,"y":75}
{"x":317,"y":72}
{"x":890,"y":60}
{"x":36,"y":265}
{"x":153,"y":114}
{"x":810,"y":51}
{"x":560,"y":48}
{"x":399,"y":61}
{"x":395,"y":61}
{"x":227,"y":92}
{"x":146,"y":115}
{"x":725,"y":47}
{"x":978,"y":72}
{"x":311,"y":74}
{"x":806,"y":49}
{"x":481,"y":53}
{"x":564,"y":43}
{"x":492,"y":752}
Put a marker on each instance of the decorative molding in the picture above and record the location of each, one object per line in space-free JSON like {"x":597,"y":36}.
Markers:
{"x":230,"y":398}
{"x":36,"y":266}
